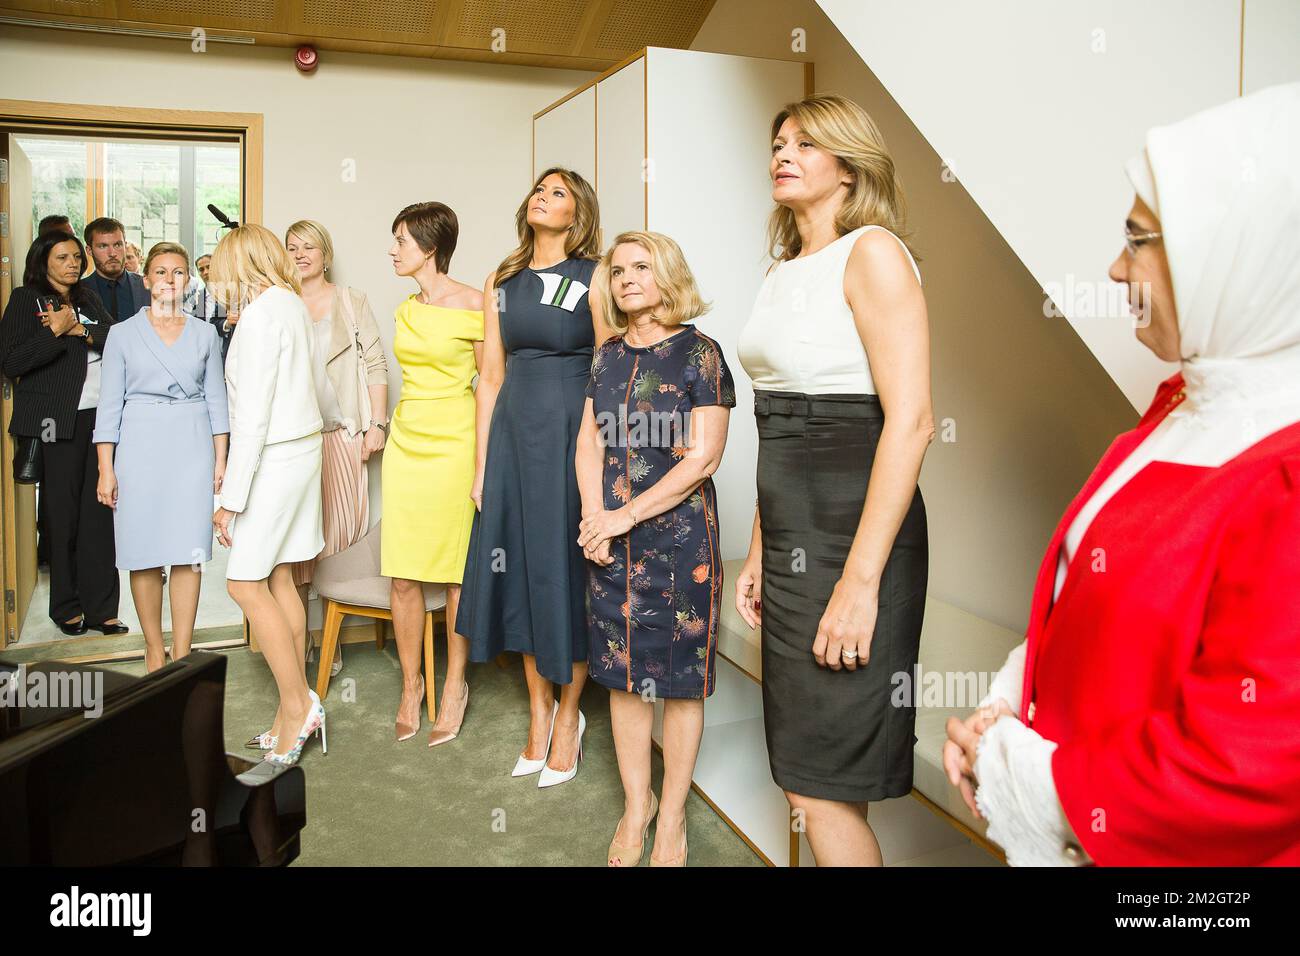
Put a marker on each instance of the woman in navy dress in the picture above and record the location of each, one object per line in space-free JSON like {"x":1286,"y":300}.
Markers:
{"x":653,"y":432}
{"x":161,"y":436}
{"x":524,"y":576}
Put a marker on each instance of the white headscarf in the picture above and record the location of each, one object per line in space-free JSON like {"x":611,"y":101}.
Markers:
{"x":1225,"y":184}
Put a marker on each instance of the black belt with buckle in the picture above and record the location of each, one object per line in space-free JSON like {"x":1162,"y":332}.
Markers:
{"x":817,"y":406}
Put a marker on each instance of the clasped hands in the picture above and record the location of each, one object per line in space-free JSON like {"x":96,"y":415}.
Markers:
{"x":60,"y":321}
{"x":598,"y":529}
{"x":959,"y":750}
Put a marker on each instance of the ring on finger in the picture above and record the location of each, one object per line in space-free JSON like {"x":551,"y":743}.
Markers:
{"x":848,"y":654}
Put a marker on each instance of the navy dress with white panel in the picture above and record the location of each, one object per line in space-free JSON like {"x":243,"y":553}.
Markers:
{"x":524,"y":587}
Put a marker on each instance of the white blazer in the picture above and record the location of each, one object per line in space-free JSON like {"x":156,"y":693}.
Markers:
{"x":271,"y":382}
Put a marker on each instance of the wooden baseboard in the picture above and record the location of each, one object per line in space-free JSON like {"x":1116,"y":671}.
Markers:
{"x":976,"y":838}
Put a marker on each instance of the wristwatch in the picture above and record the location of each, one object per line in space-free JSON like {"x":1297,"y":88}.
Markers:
{"x":382,"y":426}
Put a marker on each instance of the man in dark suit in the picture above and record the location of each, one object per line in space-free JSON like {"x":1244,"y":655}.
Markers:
{"x":61,"y":223}
{"x":202,"y":304}
{"x":123,"y":293}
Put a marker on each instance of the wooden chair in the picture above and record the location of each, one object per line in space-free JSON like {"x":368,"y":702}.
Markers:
{"x":350,"y":583}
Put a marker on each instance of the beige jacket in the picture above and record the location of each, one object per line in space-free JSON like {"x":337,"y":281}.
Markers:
{"x":341,"y":361}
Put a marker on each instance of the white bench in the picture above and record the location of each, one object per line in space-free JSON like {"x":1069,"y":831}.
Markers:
{"x":732,"y":772}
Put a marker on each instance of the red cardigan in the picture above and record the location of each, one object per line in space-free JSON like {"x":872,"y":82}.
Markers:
{"x":1168,"y":671}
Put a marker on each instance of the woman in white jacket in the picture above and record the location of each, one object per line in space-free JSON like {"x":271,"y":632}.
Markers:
{"x":270,"y":504}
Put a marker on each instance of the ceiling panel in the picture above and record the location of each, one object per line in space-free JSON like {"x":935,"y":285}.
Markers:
{"x":577,"y":34}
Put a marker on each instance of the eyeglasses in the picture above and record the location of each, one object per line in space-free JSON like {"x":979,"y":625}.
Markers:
{"x":1133,"y":240}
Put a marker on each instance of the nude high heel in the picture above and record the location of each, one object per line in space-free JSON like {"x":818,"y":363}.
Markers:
{"x":404,"y":730}
{"x":442,"y":736}
{"x":677,"y":860}
{"x":620,"y":855}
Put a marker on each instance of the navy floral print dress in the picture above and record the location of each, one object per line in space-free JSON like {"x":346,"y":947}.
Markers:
{"x":653,"y":613}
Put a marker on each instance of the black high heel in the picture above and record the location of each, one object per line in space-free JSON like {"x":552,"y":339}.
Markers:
{"x":104,"y":628}
{"x":74,"y":628}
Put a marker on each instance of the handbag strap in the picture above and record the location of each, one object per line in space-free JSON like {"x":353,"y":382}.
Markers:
{"x":346,"y":294}
{"x":363,"y":382}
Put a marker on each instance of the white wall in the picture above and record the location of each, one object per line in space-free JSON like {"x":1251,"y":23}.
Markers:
{"x":1024,"y":409}
{"x":1271,"y":43}
{"x":706,"y":116}
{"x":566,"y":136}
{"x":1036,"y":106}
{"x":413,"y":130}
{"x":657,"y":122}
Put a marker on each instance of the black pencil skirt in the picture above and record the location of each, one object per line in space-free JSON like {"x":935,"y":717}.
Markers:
{"x":833,"y":735}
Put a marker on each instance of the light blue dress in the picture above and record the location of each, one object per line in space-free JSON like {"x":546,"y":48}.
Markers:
{"x":161,"y":405}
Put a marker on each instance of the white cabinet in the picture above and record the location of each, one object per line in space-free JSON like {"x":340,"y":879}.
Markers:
{"x":680,"y":144}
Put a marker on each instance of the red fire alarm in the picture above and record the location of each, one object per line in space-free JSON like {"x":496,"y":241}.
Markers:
{"x":305,"y":59}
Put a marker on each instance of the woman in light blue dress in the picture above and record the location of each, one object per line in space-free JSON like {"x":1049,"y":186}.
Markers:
{"x":161,"y":436}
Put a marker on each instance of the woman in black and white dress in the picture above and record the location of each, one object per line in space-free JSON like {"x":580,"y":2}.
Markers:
{"x":838,"y":350}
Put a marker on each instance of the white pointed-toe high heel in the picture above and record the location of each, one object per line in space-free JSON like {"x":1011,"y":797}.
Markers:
{"x":525,"y":767}
{"x":551,"y":778}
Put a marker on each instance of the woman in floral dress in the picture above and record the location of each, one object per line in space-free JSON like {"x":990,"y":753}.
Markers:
{"x":653,"y":431}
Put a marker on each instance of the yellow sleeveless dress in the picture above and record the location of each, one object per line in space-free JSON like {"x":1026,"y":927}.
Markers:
{"x":428,"y":461}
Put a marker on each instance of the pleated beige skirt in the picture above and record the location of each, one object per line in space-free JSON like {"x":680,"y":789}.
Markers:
{"x":345,"y":499}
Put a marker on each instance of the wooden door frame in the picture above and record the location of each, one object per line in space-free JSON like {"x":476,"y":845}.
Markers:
{"x":32,"y":116}
{"x":139,"y":122}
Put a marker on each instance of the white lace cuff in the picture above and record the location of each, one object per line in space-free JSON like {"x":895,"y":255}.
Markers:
{"x":1017,"y":796}
{"x":1009,"y":682}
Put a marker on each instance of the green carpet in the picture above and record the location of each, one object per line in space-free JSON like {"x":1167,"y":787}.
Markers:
{"x":375,"y":802}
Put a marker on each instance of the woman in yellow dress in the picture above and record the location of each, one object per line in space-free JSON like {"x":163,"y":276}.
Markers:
{"x":429,"y":462}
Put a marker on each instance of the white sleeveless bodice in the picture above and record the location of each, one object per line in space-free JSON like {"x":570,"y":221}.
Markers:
{"x":800,"y":336}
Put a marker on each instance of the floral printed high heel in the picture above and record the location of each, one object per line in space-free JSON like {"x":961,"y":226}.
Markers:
{"x":267,"y":740}
{"x":315,"y":722}
{"x":263,"y":741}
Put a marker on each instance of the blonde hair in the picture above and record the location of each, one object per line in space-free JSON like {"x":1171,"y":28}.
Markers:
{"x":314,"y":233}
{"x":842,"y":128}
{"x":166,"y":249}
{"x":248,"y":259}
{"x":583,"y":239}
{"x":673,"y":277}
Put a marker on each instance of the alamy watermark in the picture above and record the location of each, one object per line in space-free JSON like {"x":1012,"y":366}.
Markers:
{"x":644,"y":429}
{"x":60,"y":690}
{"x":1089,"y":299}
{"x":951,"y":690}
{"x":75,"y":908}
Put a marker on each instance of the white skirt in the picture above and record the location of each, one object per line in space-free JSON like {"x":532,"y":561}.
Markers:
{"x":281,"y":522}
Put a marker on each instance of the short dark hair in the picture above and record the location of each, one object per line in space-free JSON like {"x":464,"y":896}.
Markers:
{"x":103,"y":224}
{"x":434,"y":228}
{"x":51,"y":223}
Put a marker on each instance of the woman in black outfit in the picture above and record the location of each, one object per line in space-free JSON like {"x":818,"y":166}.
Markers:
{"x":54,"y":356}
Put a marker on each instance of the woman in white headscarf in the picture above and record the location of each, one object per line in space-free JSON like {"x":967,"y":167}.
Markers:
{"x":1152,"y":716}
